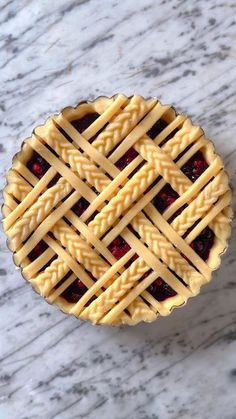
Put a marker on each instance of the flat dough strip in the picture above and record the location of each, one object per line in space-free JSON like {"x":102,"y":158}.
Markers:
{"x":165,"y":251}
{"x":30,"y":270}
{"x":37,"y":213}
{"x":55,"y":294}
{"x":137,"y":133}
{"x":140,"y":205}
{"x":177,"y":241}
{"x":45,"y":226}
{"x":78,"y":307}
{"x":215,"y":210}
{"x":210,"y":172}
{"x":105,"y":117}
{"x":29,"y":199}
{"x":79,"y":164}
{"x":125,"y":122}
{"x":72,"y":263}
{"x":64,"y":171}
{"x":201,"y":204}
{"x":131,"y":296}
{"x":170,"y":128}
{"x":154,"y":263}
{"x":88,"y":148}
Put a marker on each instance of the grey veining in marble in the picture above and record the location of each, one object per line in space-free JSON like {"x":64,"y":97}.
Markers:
{"x":57,"y":53}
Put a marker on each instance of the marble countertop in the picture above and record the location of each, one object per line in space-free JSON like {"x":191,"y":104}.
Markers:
{"x":57,"y":53}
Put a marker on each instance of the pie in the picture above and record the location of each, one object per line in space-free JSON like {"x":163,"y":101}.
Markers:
{"x":117,"y":210}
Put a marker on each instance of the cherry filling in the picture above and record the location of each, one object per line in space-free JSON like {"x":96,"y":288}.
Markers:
{"x":195,"y":166}
{"x":157,"y":128}
{"x":37,"y":250}
{"x":203,"y":243}
{"x":83,"y":123}
{"x":161,"y":290}
{"x":118,"y":247}
{"x":164,"y":198}
{"x":132,"y":153}
{"x":192,"y":169}
{"x":126,"y":158}
{"x":80,"y":206}
{"x":37,"y":165}
{"x":74,"y":292}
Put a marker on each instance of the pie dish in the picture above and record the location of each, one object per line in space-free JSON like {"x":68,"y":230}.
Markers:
{"x":117,"y":210}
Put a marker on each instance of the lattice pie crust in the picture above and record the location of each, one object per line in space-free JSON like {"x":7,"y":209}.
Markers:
{"x":119,"y":204}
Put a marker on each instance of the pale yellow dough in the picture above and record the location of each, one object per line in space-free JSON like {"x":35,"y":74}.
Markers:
{"x":116,"y":294}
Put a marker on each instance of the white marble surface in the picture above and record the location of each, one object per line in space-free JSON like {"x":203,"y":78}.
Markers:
{"x":57,"y":53}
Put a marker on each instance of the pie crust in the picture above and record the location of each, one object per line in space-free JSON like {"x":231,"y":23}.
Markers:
{"x":120,"y":204}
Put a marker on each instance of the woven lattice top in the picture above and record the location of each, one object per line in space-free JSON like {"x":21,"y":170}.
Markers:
{"x":117,"y":210}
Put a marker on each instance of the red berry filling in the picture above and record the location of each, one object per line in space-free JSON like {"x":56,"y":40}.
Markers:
{"x":203,"y":243}
{"x":80,"y":206}
{"x":74,"y":292}
{"x":54,"y":180}
{"x":164,"y":198}
{"x":37,"y":250}
{"x":195,"y":166}
{"x":126,"y":158}
{"x":161,"y":290}
{"x":37,"y":165}
{"x":118,"y":247}
{"x":157,"y":128}
{"x":83,"y":123}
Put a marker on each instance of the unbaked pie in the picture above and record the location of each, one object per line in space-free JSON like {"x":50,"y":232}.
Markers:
{"x":117,"y":210}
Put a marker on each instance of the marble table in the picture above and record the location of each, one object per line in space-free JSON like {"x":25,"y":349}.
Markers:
{"x":57,"y":53}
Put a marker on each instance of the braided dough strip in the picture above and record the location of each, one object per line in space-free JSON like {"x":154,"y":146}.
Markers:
{"x":45,"y":227}
{"x":166,"y":251}
{"x":158,"y":163}
{"x":69,"y":154}
{"x":106,"y":109}
{"x":29,"y":199}
{"x":200,"y":205}
{"x":185,"y":136}
{"x":196,"y":187}
{"x":123,"y":283}
{"x":163,"y":164}
{"x":115,"y":292}
{"x":38,"y":212}
{"x":140,"y":131}
{"x":139,"y":312}
{"x":130,"y":299}
{"x":46,"y":280}
{"x":220,"y":226}
{"x":215,"y":210}
{"x":16,"y":186}
{"x":51,"y":276}
{"x":121,"y":125}
{"x":124,"y":198}
{"x":79,"y":249}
